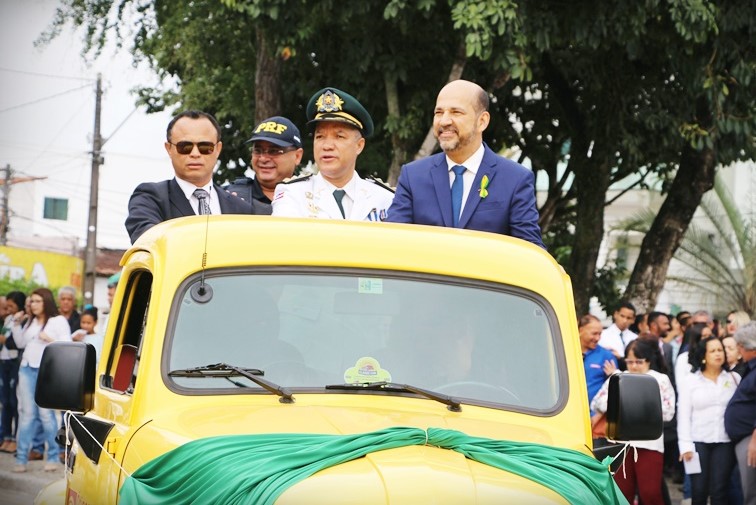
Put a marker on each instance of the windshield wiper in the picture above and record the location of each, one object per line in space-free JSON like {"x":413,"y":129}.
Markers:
{"x":453,"y":403}
{"x":226,"y":371}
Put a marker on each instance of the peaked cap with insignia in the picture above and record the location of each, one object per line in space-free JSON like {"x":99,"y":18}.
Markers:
{"x":331,"y":104}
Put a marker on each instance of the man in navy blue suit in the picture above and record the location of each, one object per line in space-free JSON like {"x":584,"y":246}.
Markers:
{"x":193,"y":144}
{"x":467,"y":185}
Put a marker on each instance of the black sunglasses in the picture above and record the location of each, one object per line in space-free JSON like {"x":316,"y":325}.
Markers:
{"x":186,"y":147}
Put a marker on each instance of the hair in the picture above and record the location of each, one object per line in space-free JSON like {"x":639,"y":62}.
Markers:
{"x":90,"y":311}
{"x":653,"y":316}
{"x":193,"y":114}
{"x":692,"y":336}
{"x":635,"y":327}
{"x":683,"y":317}
{"x":18,"y":298}
{"x":738,"y":318}
{"x":703,"y":313}
{"x":483,"y":100}
{"x":49,"y":310}
{"x":648,"y":350}
{"x":746,"y":336}
{"x":67,"y":289}
{"x":587,"y":319}
{"x":625,"y":305}
{"x":698,"y":354}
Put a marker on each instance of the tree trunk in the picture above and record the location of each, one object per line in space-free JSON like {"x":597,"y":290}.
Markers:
{"x":394,"y":114}
{"x":694,"y":177}
{"x":430,"y":142}
{"x":267,"y":78}
{"x":591,"y":170}
{"x":591,"y":184}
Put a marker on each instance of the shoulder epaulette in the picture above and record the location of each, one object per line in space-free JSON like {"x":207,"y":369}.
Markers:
{"x":379,"y":182}
{"x":298,"y":178}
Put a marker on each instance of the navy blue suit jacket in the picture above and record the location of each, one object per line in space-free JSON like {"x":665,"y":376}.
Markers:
{"x":155,"y":202}
{"x":423,"y":196}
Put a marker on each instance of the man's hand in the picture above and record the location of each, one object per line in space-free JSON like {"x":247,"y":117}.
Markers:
{"x":752,"y":450}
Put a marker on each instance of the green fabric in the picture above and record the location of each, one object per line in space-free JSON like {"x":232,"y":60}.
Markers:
{"x":257,"y":469}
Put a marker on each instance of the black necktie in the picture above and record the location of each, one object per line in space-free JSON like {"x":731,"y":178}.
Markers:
{"x":203,"y":207}
{"x":338,"y":194}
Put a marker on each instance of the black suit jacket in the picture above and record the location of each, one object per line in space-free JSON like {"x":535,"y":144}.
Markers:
{"x":155,"y":202}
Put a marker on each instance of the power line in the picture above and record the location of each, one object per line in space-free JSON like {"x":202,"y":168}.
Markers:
{"x":52,"y":76}
{"x":44,"y":98}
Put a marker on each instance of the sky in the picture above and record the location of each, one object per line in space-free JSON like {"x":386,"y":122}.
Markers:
{"x":47,"y":109}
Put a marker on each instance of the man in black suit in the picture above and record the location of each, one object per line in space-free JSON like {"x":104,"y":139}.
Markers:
{"x":193,"y":144}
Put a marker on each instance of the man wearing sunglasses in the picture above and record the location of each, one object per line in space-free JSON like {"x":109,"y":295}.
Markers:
{"x":193,"y":142}
{"x":341,"y":124}
{"x":276,"y":150}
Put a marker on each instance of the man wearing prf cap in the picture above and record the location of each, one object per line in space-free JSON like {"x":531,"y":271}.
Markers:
{"x":276,"y":150}
{"x":340,"y":125}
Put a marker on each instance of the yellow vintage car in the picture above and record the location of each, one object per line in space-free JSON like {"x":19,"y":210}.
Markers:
{"x":263,"y":360}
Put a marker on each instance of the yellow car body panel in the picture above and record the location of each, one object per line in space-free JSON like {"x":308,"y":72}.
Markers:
{"x":151,"y":417}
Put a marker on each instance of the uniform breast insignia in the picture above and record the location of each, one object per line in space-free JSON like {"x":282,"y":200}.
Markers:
{"x":298,"y":178}
{"x":379,"y":182}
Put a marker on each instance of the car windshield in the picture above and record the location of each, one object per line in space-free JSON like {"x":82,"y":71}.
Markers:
{"x":307,"y":329}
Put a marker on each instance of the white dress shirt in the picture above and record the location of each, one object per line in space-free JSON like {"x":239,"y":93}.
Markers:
{"x":615,"y":340}
{"x":468,"y":177}
{"x":700,"y":409}
{"x":212,"y":197}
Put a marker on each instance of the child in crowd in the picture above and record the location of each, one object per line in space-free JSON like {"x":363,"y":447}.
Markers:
{"x":87,"y":332}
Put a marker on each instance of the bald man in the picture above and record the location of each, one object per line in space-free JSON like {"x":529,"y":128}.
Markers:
{"x":467,"y":185}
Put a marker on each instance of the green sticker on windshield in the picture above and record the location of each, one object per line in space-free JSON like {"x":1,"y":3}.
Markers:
{"x":370,"y":286}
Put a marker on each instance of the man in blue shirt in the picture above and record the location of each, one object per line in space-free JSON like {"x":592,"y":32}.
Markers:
{"x":740,"y":416}
{"x":599,"y":363}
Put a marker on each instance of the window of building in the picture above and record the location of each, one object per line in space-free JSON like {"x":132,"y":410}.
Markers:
{"x":56,"y":208}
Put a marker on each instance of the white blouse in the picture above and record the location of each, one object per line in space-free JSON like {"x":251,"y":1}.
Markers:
{"x":700,"y":409}
{"x":57,"y":328}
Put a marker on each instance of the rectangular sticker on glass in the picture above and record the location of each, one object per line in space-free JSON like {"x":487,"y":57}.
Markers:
{"x":370,"y":286}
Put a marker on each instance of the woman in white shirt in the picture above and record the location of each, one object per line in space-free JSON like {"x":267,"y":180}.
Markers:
{"x":700,"y":422}
{"x":642,"y":475}
{"x":44,"y":327}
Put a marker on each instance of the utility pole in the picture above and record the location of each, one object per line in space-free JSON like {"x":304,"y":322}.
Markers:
{"x":91,"y":252}
{"x":6,"y":216}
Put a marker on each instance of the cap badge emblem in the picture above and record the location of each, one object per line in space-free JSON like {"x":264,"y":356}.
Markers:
{"x":329,"y":102}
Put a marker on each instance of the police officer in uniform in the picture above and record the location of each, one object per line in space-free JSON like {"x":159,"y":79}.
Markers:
{"x":276,"y":150}
{"x":341,"y":125}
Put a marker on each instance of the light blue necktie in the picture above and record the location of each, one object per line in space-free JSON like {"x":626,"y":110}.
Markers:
{"x":457,"y":189}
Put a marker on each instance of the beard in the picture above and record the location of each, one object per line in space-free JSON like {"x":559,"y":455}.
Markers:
{"x":453,"y":144}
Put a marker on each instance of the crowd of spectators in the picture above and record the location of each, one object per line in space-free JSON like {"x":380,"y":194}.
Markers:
{"x":30,"y":322}
{"x":706,"y":381}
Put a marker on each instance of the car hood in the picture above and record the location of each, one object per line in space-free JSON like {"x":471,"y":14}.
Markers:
{"x":413,"y":474}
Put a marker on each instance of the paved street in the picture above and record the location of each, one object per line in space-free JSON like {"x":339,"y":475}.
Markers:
{"x":21,"y":488}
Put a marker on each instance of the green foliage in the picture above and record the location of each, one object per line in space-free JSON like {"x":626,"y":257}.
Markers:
{"x":26,"y":287}
{"x":606,"y":285}
{"x":600,"y":91}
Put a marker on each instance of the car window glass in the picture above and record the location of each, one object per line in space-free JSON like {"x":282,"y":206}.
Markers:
{"x":306,"y":330}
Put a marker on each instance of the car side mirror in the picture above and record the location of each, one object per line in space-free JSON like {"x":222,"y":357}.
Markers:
{"x":634,"y":410}
{"x":68,"y":372}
